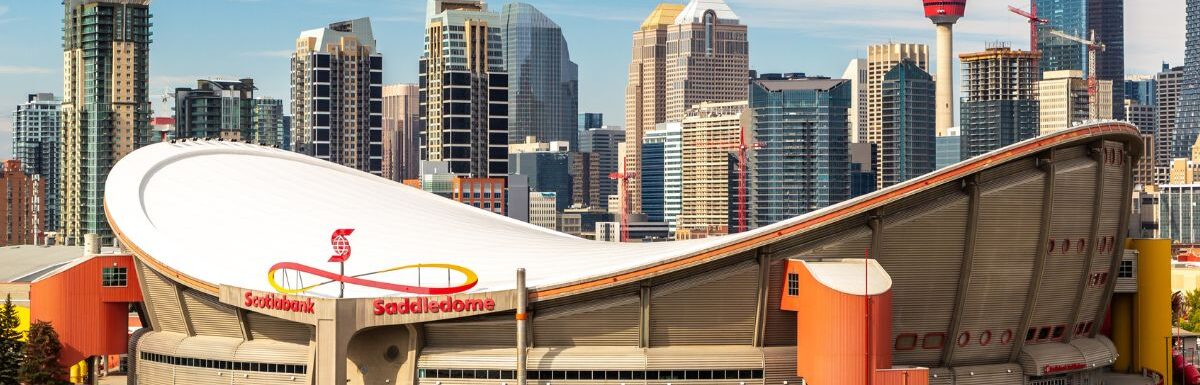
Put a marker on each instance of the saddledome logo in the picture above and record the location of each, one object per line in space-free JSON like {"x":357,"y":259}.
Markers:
{"x":292,"y":273}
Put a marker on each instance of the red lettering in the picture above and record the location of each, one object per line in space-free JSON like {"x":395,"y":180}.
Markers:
{"x":283,"y":303}
{"x":489,"y":304}
{"x":378,"y":307}
{"x":427,"y":305}
{"x":249,"y":299}
{"x":447,"y":305}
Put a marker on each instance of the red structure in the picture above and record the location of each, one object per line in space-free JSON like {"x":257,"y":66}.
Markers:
{"x":849,"y":340}
{"x":622,"y":179}
{"x":87,"y":302}
{"x":945,"y":11}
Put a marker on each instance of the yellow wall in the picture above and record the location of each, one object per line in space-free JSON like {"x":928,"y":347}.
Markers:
{"x":23,"y":315}
{"x":1185,"y":279}
{"x":1152,"y":308}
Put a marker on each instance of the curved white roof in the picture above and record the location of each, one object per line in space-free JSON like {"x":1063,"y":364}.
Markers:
{"x":224,"y":213}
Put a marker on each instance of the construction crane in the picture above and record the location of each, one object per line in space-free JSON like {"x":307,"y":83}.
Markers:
{"x":742,"y":148}
{"x":1034,"y":22}
{"x":1093,"y":84}
{"x":622,"y":178}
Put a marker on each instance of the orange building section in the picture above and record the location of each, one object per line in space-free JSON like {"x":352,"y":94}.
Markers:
{"x":91,"y":319}
{"x":838,"y":340}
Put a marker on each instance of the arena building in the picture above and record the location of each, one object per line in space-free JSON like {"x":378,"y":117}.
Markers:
{"x":997,"y":270}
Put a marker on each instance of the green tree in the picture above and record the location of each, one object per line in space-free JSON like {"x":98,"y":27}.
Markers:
{"x":41,"y":366}
{"x":1191,"y":311}
{"x":10,"y":343}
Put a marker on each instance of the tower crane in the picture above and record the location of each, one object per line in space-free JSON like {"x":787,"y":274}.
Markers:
{"x":1093,"y":84}
{"x":622,"y":178}
{"x":1034,"y":22}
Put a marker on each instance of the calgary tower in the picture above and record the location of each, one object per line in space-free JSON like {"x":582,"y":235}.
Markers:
{"x":944,"y":13}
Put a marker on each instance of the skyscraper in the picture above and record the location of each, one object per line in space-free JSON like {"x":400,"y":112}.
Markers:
{"x":216,"y":109}
{"x":708,"y":57}
{"x":1145,"y":118}
{"x":602,"y":144}
{"x":36,"y":145}
{"x":1107,"y":19}
{"x":1141,"y":89}
{"x":1169,"y":85}
{"x":337,"y":95}
{"x":106,"y":105}
{"x":21,"y":211}
{"x":1070,"y":17}
{"x":881,"y":58}
{"x":543,"y":92}
{"x":646,"y":90}
{"x":907,"y":148}
{"x":1187,"y":128}
{"x":710,"y":132}
{"x":856,"y":73}
{"x":401,"y":132}
{"x":268,"y":123}
{"x":662,"y":174}
{"x":464,"y":89}
{"x":804,"y":164}
{"x":1063,"y":100}
{"x":999,"y":105}
{"x":590,"y":120}
{"x":547,"y":165}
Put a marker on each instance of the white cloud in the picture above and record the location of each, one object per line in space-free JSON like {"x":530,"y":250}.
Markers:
{"x":24,"y":70}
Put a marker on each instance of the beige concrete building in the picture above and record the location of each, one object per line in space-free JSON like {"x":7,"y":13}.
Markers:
{"x":708,"y":57}
{"x":1063,"y":100}
{"x":711,"y":134}
{"x":1146,"y":119}
{"x":880,"y":59}
{"x":105,"y":106}
{"x":542,"y":211}
{"x":646,"y":91}
{"x":401,"y":130}
{"x":856,"y":116}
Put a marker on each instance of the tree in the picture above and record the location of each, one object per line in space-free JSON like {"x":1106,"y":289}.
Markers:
{"x":41,"y":366}
{"x":10,"y":343}
{"x":1191,"y":311}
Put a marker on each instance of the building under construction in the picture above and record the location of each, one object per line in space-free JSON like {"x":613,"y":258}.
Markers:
{"x":999,"y":105}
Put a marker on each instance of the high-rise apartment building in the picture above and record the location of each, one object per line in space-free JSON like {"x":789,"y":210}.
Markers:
{"x":1169,"y":86}
{"x":662,"y":174}
{"x":585,"y":180}
{"x":646,"y":90}
{"x":804,"y":162}
{"x":1179,"y":213}
{"x":1070,"y":17}
{"x":1107,"y":19}
{"x":948,"y":148}
{"x":1063,"y":100}
{"x":543,"y":92}
{"x":602,"y":143}
{"x":337,"y":95}
{"x":401,"y":131}
{"x":709,"y":131}
{"x":105,"y":107}
{"x":999,"y":104}
{"x":267,"y":123}
{"x":881,"y":58}
{"x":1145,"y":118}
{"x":1187,"y":128}
{"x":907,"y":147}
{"x":589,"y":120}
{"x":708,"y":57}
{"x":856,"y":73}
{"x":37,"y":146}
{"x":21,"y":209}
{"x":216,"y":109}
{"x":464,"y":89}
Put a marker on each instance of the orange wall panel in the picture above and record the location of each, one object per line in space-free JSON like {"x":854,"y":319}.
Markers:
{"x":831,"y":332}
{"x":90,"y":319}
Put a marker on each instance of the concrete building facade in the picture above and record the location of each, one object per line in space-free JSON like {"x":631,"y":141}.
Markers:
{"x":1063,"y":100}
{"x":542,"y":211}
{"x":105,"y":107}
{"x":856,"y":73}
{"x":216,"y":109}
{"x":708,"y":57}
{"x":337,"y":95}
{"x":645,"y":91}
{"x":710,"y":131}
{"x":23,"y":207}
{"x":1145,"y":118}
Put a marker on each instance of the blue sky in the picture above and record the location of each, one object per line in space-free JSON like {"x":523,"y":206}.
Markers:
{"x":252,"y":38}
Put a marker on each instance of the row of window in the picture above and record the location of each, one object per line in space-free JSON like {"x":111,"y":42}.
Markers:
{"x":719,"y":374}
{"x":225,"y":365}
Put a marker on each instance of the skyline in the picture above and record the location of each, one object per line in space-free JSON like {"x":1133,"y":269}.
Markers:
{"x":238,"y":44}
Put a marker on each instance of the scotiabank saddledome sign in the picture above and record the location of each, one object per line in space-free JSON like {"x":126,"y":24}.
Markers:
{"x":419,"y":305}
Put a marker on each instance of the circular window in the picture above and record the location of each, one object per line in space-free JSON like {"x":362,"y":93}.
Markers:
{"x":1006,"y":337}
{"x":985,"y":338}
{"x":964,"y":338}
{"x":392,"y":353}
{"x":1051,"y":249}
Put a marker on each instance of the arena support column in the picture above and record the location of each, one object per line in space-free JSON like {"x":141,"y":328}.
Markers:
{"x":333,"y":341}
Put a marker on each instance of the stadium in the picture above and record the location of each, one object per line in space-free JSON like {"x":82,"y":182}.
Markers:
{"x":261,"y":266}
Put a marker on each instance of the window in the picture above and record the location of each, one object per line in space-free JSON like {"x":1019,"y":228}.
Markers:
{"x":114,"y":277}
{"x":793,"y":284}
{"x":1126,"y":270}
{"x":934,"y":341}
{"x":906,"y":341}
